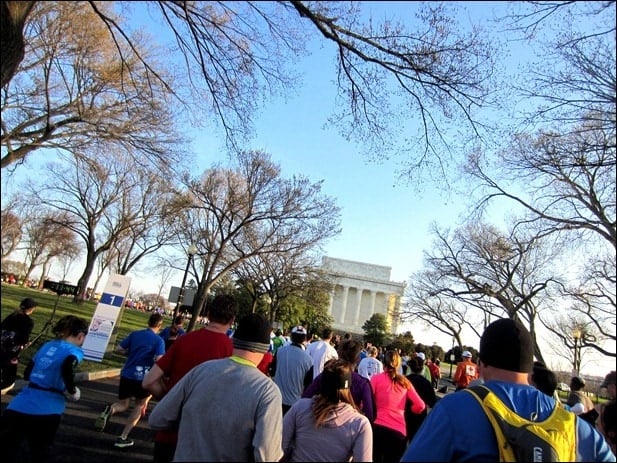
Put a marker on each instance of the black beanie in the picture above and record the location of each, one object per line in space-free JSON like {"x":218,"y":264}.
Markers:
{"x":253,"y":333}
{"x":27,"y":303}
{"x":507,"y":344}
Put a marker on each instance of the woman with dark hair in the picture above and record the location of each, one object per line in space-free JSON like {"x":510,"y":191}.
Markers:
{"x":393,"y":394}
{"x":425,"y":391}
{"x":328,"y":426}
{"x":349,"y":351}
{"x":34,"y":415}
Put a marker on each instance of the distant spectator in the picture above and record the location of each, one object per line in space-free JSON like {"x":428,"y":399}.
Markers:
{"x":544,"y":380}
{"x":321,"y":351}
{"x":278,"y":341}
{"x":16,"y":329}
{"x":606,"y":422}
{"x":293,"y":368}
{"x":466,"y":371}
{"x":426,"y":371}
{"x":369,"y":365}
{"x":173,"y":332}
{"x":577,"y":399}
{"x":265,"y":366}
{"x":435,"y":369}
{"x":425,"y":391}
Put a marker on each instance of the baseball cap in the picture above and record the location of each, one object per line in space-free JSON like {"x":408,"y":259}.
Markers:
{"x":466,"y":353}
{"x":421,"y":355}
{"x":298,"y":330}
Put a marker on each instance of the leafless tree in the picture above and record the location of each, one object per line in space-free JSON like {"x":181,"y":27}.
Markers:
{"x":67,"y":257}
{"x":72,"y":93}
{"x":103,"y":202}
{"x":166,"y":273}
{"x":11,"y":230}
{"x":569,"y":181}
{"x":246,"y":51}
{"x":276,"y":276}
{"x":565,"y":184}
{"x":494,"y":273}
{"x":573,"y":80}
{"x":447,"y":316}
{"x":46,"y":240}
{"x":233,"y":214}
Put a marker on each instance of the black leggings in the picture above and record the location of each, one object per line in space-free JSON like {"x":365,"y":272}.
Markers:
{"x":37,"y":431}
{"x":388,"y":444}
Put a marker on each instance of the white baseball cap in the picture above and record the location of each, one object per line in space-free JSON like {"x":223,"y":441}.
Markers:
{"x":466,"y":353}
{"x":299,"y":329}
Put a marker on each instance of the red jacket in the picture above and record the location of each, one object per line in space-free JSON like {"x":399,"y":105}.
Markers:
{"x":466,"y":372}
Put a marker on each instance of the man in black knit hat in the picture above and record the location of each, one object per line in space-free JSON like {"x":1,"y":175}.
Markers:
{"x":458,"y":428}
{"x":226,"y":409}
{"x":16,"y":330}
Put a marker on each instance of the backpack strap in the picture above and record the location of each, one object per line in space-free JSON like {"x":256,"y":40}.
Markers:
{"x":518,"y":439}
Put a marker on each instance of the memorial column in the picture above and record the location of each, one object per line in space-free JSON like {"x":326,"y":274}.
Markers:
{"x":373,"y":297}
{"x":344,"y":304}
{"x":356,"y":317}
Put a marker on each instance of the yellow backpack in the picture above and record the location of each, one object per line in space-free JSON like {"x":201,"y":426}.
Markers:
{"x":553,"y":439}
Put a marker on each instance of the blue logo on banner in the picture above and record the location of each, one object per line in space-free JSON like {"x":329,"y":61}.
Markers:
{"x":111,"y":299}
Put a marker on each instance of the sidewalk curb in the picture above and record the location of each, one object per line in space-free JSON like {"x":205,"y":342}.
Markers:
{"x":91,"y":375}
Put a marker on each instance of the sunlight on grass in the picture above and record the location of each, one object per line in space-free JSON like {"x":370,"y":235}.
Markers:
{"x":45,"y":317}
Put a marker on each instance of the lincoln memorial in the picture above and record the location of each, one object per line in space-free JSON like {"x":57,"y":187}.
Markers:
{"x":359,"y":291}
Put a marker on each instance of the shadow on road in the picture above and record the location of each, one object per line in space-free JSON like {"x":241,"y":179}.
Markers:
{"x":78,"y":441}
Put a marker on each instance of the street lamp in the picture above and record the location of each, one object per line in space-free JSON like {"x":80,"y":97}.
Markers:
{"x":452,"y":357}
{"x":576,"y":334}
{"x":191,"y":251}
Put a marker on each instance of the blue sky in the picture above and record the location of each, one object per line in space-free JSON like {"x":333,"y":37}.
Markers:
{"x":383,"y":222}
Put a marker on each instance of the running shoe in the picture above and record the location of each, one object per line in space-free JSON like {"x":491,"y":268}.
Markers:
{"x":101,"y":420}
{"x":120,"y":442}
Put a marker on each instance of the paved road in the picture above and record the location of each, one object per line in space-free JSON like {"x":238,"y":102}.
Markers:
{"x":78,"y":441}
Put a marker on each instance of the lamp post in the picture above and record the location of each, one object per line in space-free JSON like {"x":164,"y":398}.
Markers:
{"x":191,"y":251}
{"x":452,"y":357}
{"x":576,"y":334}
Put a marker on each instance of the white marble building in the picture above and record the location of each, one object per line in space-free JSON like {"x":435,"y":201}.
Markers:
{"x":359,"y":291}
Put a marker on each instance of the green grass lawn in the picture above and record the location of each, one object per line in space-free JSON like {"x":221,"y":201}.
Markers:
{"x":12,"y":295}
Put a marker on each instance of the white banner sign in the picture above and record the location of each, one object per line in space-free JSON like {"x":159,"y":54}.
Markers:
{"x":105,"y":317}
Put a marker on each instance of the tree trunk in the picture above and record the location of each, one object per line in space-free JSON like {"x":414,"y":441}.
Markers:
{"x":82,"y":283}
{"x":96,"y":284}
{"x":13,"y":17}
{"x":42,"y":279}
{"x":203,"y":291}
{"x":28,"y":272}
